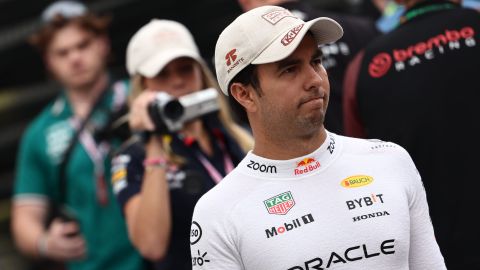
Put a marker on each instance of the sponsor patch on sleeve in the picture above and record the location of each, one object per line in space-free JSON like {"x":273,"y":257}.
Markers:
{"x":119,"y":173}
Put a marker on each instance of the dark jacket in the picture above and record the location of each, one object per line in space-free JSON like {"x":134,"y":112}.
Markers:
{"x":417,"y":86}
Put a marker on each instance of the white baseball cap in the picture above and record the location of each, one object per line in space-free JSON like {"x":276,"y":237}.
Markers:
{"x":156,"y":44}
{"x":66,"y":9}
{"x":263,"y":35}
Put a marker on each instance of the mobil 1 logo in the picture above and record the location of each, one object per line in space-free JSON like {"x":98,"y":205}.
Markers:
{"x":288,"y":226}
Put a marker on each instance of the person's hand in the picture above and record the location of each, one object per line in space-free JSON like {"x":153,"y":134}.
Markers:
{"x":138,"y":117}
{"x":62,"y":242}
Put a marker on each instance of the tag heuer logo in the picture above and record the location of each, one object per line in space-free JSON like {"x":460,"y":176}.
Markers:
{"x":280,"y":204}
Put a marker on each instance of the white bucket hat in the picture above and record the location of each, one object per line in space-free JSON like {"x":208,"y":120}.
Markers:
{"x":157,"y":43}
{"x":264,"y":35}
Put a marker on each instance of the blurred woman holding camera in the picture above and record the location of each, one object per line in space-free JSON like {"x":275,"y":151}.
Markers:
{"x":159,"y":178}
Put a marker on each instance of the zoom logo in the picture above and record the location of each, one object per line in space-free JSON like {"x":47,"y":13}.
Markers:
{"x":262,"y":167}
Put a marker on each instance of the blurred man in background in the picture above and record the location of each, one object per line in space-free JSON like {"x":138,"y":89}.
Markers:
{"x":417,"y":86}
{"x":62,"y":162}
{"x":358,"y":32}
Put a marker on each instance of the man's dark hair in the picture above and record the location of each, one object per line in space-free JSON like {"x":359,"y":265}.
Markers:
{"x":247,"y":76}
{"x":93,"y":23}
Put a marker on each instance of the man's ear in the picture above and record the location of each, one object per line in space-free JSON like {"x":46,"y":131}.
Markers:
{"x":245,"y":95}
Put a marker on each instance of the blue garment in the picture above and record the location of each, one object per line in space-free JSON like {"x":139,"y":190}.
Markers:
{"x":390,"y":17}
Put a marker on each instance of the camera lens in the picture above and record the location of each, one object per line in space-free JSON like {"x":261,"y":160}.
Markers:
{"x":173,"y":110}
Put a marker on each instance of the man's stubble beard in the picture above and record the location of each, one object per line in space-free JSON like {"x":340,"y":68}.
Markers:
{"x":279,"y":128}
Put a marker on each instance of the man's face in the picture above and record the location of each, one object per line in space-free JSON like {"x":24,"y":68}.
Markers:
{"x":179,"y":77}
{"x":77,"y":58}
{"x":294,"y":92}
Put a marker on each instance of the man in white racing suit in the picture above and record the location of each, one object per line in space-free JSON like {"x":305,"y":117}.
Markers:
{"x":304,"y":198}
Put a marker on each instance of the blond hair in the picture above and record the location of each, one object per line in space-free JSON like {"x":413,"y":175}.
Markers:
{"x":239,"y":134}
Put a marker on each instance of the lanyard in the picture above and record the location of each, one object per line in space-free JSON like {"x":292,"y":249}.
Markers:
{"x":212,"y":171}
{"x":98,"y":152}
{"x":415,"y":12}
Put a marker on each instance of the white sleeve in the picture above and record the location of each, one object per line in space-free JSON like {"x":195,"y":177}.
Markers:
{"x":424,"y":251}
{"x":212,"y":239}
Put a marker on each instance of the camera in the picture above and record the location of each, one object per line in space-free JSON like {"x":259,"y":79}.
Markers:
{"x":169,"y":114}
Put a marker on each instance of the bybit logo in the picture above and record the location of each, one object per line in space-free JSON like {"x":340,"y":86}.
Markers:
{"x":364,"y":201}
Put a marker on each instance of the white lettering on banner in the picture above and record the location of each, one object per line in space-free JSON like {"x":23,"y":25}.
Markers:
{"x":432,"y":54}
{"x":470,"y":42}
{"x":332,"y":51}
{"x":399,"y":59}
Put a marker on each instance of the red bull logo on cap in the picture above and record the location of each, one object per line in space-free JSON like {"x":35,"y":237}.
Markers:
{"x":306,"y":165}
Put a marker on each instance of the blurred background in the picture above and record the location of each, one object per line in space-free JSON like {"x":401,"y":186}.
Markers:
{"x":25,"y":87}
